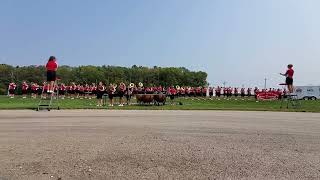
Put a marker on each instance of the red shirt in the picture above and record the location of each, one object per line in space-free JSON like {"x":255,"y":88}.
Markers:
{"x":34,"y":87}
{"x":122,"y":87}
{"x":172,"y":91}
{"x":290,"y":73}
{"x":25,"y":86}
{"x":52,"y":66}
{"x":62,"y":88}
{"x":12,"y":86}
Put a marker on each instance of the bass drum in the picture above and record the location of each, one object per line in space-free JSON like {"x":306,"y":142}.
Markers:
{"x":147,"y":98}
{"x":160,"y":99}
{"x":139,"y":98}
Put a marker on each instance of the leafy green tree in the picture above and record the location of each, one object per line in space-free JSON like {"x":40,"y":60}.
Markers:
{"x":164,"y":76}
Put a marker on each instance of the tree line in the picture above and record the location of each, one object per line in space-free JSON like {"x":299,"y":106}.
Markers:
{"x":155,"y":76}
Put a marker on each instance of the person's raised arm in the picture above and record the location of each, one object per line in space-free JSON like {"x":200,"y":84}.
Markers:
{"x":285,"y":74}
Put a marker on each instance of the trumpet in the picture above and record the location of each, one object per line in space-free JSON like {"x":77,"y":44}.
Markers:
{"x":140,"y":84}
{"x":131,"y":85}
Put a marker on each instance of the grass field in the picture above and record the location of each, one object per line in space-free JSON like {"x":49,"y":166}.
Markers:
{"x":249,"y":104}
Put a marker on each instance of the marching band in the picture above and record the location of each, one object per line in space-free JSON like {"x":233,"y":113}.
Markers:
{"x":86,"y":91}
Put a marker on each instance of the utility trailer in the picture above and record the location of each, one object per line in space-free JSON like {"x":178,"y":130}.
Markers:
{"x":307,"y":92}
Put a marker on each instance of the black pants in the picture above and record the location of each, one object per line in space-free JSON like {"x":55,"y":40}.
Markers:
{"x":51,"y":76}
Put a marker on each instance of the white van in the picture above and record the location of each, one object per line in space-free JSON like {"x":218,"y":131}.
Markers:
{"x":308,"y":92}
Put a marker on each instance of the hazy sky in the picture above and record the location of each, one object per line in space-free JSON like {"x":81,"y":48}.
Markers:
{"x":237,"y":41}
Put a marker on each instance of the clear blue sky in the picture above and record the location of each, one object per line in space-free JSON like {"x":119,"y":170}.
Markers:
{"x":237,"y":41}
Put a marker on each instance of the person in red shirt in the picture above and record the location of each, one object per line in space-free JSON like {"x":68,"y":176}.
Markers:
{"x":236,"y":92}
{"x":62,"y":90}
{"x":25,"y":87}
{"x":198,"y":91}
{"x":242,"y":92}
{"x":34,"y":90}
{"x":111,"y":93}
{"x":172,"y":93}
{"x":86,"y":91}
{"x":12,"y":89}
{"x":192,"y":92}
{"x":218,"y":91}
{"x":100,"y":91}
{"x":289,"y":77}
{"x":211,"y":89}
{"x":204,"y":91}
{"x":81,"y":91}
{"x":183,"y":91}
{"x":122,"y":90}
{"x":52,"y":68}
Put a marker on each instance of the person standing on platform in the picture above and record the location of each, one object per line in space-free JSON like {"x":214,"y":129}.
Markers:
{"x":289,"y":77}
{"x":52,"y":68}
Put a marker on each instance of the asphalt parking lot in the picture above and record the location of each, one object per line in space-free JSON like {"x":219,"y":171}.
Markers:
{"x":94,"y":144}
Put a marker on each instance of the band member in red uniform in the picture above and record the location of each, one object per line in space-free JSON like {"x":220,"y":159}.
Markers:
{"x":148,"y":90}
{"x":229,"y":92}
{"x":172,"y":92}
{"x":68,"y":91}
{"x":12,"y":89}
{"x":62,"y":90}
{"x":211,"y":89}
{"x":72,"y":90}
{"x":93,"y":89}
{"x":140,"y":90}
{"x":279,"y":92}
{"x":188,"y":91}
{"x":111,"y":92}
{"x":100,"y":91}
{"x":289,"y":77}
{"x":242,"y":92}
{"x":86,"y":91}
{"x":81,"y":91}
{"x":25,"y":88}
{"x":204,"y":91}
{"x":236,"y":93}
{"x":218,"y":91}
{"x":122,"y":89}
{"x":225,"y":92}
{"x":77,"y":90}
{"x":183,"y":91}
{"x":192,"y":92}
{"x":198,"y":91}
{"x":34,"y":90}
{"x":52,"y":68}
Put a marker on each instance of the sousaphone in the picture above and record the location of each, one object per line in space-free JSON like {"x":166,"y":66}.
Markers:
{"x":131,"y":85}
